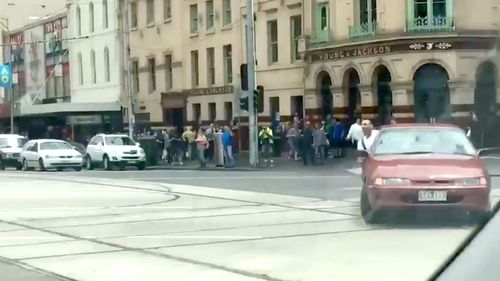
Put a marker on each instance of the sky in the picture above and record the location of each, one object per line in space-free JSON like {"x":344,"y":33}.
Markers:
{"x":23,"y":12}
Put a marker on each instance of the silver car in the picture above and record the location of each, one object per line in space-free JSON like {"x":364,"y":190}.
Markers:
{"x":10,"y":150}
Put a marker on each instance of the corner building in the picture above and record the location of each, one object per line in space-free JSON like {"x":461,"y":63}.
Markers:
{"x":416,"y":60}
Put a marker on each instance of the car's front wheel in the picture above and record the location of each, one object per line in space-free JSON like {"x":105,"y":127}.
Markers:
{"x":88,"y":163}
{"x":25,"y":165}
{"x":41,"y":165}
{"x":370,"y":215}
{"x":106,"y":163}
{"x":78,"y":169}
{"x":19,"y":166}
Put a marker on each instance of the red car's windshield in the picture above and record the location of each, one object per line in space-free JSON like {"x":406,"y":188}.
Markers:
{"x":429,"y":140}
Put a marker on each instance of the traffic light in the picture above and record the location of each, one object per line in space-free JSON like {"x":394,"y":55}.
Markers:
{"x":244,"y":103}
{"x":259,"y":98}
{"x":244,"y":77}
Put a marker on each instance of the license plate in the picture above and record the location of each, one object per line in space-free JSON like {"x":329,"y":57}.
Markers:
{"x":428,"y":195}
{"x":131,"y":162}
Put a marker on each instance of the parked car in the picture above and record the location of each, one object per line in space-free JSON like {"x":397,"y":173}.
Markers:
{"x":10,"y":150}
{"x":50,"y":154}
{"x":114,"y":150}
{"x":423,"y":166}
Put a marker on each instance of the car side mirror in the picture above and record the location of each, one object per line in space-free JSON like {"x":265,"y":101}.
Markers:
{"x":490,"y":152}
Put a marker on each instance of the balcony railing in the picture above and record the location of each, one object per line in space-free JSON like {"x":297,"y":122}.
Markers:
{"x":431,"y":24}
{"x":321,"y":36}
{"x":363,"y":29}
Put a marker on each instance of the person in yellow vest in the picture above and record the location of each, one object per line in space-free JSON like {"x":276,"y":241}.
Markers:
{"x":266,"y":141}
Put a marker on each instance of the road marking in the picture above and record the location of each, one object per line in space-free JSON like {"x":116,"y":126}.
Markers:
{"x":355,"y":171}
{"x":241,"y":177}
{"x":136,"y":236}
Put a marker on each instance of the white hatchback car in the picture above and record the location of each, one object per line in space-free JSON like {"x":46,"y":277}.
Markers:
{"x":114,"y":150}
{"x":50,"y":154}
{"x":10,"y":150}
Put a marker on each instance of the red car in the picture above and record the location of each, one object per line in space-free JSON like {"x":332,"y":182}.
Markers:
{"x":423,"y":166}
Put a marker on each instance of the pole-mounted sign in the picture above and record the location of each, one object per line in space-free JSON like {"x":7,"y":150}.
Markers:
{"x":5,"y":76}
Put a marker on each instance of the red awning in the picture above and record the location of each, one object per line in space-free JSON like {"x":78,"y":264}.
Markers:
{"x":4,"y":110}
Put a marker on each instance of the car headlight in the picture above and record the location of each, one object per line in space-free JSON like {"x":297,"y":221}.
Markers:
{"x":50,"y":156}
{"x":471,"y":181}
{"x":392,"y":181}
{"x":141,"y":151}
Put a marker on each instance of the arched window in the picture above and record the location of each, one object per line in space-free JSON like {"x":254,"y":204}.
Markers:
{"x":92,"y":66}
{"x":105,"y":13}
{"x":78,"y":21}
{"x":106,"y":65}
{"x":80,"y":69}
{"x":91,"y":17}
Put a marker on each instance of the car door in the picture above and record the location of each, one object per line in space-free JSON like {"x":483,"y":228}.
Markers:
{"x":32,"y":154}
{"x":92,"y":149}
{"x":97,"y":149}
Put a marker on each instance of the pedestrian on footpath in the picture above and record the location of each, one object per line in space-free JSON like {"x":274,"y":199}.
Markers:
{"x":266,"y":141}
{"x":320,"y":143}
{"x":306,"y":144}
{"x":189,"y":137}
{"x":292,"y":136}
{"x":202,"y":145}
{"x":227,"y":143}
{"x":210,"y":134}
{"x":177,"y":145}
{"x":355,"y":133}
{"x":369,"y":136}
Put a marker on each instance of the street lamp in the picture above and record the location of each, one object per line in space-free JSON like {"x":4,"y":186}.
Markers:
{"x":4,"y":26}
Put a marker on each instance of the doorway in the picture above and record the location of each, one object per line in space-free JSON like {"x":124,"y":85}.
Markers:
{"x":382,"y":87}
{"x":431,"y":94}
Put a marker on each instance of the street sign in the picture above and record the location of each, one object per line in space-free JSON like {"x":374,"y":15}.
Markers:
{"x":5,"y":76}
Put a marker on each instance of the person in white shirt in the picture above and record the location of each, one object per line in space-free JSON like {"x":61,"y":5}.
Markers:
{"x":355,"y":132}
{"x":369,"y":135}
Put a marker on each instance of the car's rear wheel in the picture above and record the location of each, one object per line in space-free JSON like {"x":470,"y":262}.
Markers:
{"x":88,"y":163}
{"x":370,"y":215}
{"x":19,"y":166}
{"x":41,"y":165}
{"x":2,"y":165}
{"x":106,"y":163}
{"x":141,"y":166}
{"x":25,"y":165}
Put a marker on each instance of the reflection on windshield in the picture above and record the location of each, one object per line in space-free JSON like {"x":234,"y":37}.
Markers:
{"x":54,"y":146}
{"x":12,"y":142}
{"x":421,"y":141}
{"x":119,"y":141}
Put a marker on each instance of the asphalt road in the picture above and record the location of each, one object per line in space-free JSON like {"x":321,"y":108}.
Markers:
{"x":73,"y":221}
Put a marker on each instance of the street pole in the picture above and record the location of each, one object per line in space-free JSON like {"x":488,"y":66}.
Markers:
{"x":252,"y":111}
{"x":127,"y":63}
{"x":10,"y":92}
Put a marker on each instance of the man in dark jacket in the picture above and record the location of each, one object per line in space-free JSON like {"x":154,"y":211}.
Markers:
{"x":306,"y":144}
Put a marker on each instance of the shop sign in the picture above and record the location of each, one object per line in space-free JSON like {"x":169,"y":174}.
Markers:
{"x":84,"y":119}
{"x":211,"y":91}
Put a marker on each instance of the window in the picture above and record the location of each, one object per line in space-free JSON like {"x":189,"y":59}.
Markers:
{"x":78,"y":21}
{"x":152,"y":74}
{"x":212,"y":111}
{"x":80,"y":69}
{"x":272,"y":37}
{"x":425,"y":8}
{"x":210,"y":66}
{"x":91,"y":17}
{"x":133,"y":15}
{"x":193,"y":15}
{"x":195,"y":81}
{"x":274,"y":106}
{"x":367,"y":11}
{"x":135,"y":72}
{"x":430,"y":15}
{"x":228,"y":111}
{"x":228,"y":64}
{"x":150,"y":12}
{"x":324,"y":17}
{"x":210,"y":14}
{"x":105,"y":13}
{"x":167,"y":9}
{"x":106,"y":65}
{"x":196,"y":111}
{"x":296,"y":32}
{"x":226,"y":9}
{"x":92,"y":67}
{"x":168,"y":72}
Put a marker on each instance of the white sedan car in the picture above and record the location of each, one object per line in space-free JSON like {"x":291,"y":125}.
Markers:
{"x":50,"y":154}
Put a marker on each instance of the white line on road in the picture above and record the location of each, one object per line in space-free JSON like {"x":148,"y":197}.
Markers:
{"x":136,"y":236}
{"x":243,"y":177}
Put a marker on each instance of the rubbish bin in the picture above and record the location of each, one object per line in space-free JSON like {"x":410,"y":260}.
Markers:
{"x":150,"y":148}
{"x":218,"y":150}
